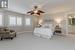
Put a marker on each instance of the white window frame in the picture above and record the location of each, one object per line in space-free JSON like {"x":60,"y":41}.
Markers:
{"x":19,"y":21}
{"x":1,"y":21}
{"x":16,"y":21}
{"x":12,"y":24}
{"x":27,"y":21}
{"x":3,"y":4}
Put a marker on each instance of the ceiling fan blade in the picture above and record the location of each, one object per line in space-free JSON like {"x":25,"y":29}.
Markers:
{"x":38,"y":13}
{"x":29,"y":12}
{"x":32,"y":13}
{"x":41,"y":11}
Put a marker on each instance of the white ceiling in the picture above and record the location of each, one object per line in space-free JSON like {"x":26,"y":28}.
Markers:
{"x":49,"y":6}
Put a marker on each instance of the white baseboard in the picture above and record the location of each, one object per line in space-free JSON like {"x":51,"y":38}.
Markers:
{"x":23,"y":32}
{"x":28,"y":31}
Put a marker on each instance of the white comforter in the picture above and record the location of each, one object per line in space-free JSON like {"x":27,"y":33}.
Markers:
{"x":43,"y":32}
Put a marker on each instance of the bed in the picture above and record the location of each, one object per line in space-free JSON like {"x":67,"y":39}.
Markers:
{"x":45,"y":31}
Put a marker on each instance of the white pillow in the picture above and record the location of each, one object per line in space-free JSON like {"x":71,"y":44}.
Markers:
{"x":47,"y":25}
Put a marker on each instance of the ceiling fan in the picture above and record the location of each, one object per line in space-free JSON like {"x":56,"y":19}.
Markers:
{"x":35,"y":11}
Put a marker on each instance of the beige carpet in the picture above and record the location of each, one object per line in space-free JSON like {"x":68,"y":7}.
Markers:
{"x":27,"y":41}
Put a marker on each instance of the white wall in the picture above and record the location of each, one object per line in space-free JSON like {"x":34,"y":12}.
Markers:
{"x":64,"y":23}
{"x":32,"y":21}
{"x":6,"y":20}
{"x":62,"y":15}
{"x":22,"y":28}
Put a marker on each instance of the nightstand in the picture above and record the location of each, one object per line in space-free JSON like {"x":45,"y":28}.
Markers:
{"x":57,"y":30}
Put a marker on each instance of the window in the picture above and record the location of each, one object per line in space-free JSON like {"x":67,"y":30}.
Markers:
{"x":4,"y":3}
{"x":27,"y":21}
{"x":19,"y":21}
{"x":1,"y":20}
{"x":12,"y":21}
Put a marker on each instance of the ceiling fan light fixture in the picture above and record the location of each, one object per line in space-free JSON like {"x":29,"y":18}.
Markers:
{"x":35,"y":11}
